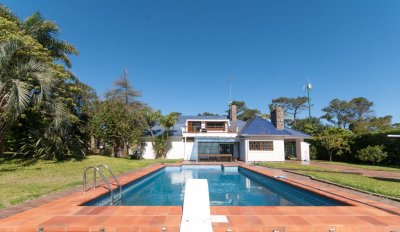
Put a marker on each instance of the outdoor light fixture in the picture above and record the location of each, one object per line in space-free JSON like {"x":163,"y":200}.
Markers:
{"x":331,"y":230}
{"x":40,"y":229}
{"x":102,"y":229}
{"x":163,"y":229}
{"x":228,"y":230}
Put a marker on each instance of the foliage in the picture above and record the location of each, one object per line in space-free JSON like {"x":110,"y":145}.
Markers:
{"x":361,"y":141}
{"x":311,"y":126}
{"x":244,"y":113}
{"x":117,"y":123}
{"x":338,"y":113}
{"x":372,"y":124}
{"x":334,"y":141}
{"x":207,"y":114}
{"x":160,"y":145}
{"x":38,"y":94}
{"x":356,"y":115}
{"x":123,"y":90}
{"x":45,"y":32}
{"x":292,"y":106}
{"x":374,"y":154}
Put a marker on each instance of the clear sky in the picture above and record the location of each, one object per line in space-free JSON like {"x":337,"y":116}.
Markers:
{"x":180,"y":54}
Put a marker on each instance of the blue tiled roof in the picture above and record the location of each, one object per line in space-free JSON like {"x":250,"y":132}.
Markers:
{"x":260,"y":126}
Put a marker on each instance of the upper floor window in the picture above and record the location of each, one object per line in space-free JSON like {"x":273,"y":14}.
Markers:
{"x":261,"y":145}
{"x":194,"y":126}
{"x":215,"y":125}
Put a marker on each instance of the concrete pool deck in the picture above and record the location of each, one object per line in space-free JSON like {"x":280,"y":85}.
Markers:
{"x":66,"y":214}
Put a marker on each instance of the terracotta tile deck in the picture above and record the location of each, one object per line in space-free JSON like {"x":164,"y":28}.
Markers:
{"x":66,"y":214}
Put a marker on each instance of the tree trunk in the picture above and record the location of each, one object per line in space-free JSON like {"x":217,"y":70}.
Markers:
{"x":116,"y":148}
{"x":93,"y":146}
{"x":125,"y":151}
{"x":2,"y":145}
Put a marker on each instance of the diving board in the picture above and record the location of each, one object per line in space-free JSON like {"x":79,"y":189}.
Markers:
{"x":196,"y":207}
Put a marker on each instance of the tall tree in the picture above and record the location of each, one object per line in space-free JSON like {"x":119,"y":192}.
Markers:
{"x":292,"y":106}
{"x":360,"y":108}
{"x":338,"y":113}
{"x":22,"y":82}
{"x":244,"y":113}
{"x":116,"y":123}
{"x":123,"y":90}
{"x":46,"y":33}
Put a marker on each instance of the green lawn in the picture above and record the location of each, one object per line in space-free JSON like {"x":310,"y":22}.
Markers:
{"x":364,"y":166}
{"x":381,"y":186}
{"x":21,"y":181}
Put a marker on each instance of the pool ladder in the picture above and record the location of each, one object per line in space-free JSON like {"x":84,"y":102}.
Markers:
{"x":97,"y":169}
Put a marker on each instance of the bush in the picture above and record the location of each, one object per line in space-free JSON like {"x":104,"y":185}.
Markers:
{"x":374,"y":154}
{"x":160,"y":146}
{"x":361,"y":141}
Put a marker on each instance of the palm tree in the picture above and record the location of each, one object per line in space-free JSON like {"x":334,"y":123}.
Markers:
{"x":23,"y":82}
{"x":45,"y":32}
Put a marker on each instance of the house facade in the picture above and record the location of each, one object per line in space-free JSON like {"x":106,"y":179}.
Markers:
{"x":198,"y":138}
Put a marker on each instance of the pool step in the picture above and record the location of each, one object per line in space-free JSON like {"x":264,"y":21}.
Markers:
{"x":196,"y":207}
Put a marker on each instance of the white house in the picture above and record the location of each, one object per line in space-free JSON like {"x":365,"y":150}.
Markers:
{"x":198,"y":138}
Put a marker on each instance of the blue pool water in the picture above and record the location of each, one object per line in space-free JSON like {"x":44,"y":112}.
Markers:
{"x":228,"y":186}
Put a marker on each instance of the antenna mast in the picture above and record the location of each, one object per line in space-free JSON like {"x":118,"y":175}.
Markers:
{"x":309,"y":87}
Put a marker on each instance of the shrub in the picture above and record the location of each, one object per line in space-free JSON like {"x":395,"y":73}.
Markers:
{"x":160,"y":146}
{"x":374,"y":154}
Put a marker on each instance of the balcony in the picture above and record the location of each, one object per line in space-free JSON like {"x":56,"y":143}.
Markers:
{"x":209,"y":129}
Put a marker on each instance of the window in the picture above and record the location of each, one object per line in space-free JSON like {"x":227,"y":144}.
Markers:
{"x":194,"y":126}
{"x":215,"y":124}
{"x":261,"y":145}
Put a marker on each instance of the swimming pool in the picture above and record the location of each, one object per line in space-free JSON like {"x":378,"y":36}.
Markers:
{"x":228,"y":186}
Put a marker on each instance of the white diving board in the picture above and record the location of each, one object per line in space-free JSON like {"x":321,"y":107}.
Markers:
{"x":196,"y":207}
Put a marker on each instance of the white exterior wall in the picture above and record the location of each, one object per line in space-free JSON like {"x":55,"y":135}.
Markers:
{"x":302,"y":150}
{"x":148,"y":151}
{"x":175,"y":152}
{"x":278,"y":154}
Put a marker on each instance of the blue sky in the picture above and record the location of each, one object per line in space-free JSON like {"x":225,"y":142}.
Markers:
{"x":179,"y":54}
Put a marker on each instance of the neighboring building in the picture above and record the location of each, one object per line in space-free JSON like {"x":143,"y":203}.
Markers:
{"x":213,"y":137}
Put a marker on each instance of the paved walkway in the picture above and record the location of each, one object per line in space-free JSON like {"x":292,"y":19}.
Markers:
{"x":365,"y":172}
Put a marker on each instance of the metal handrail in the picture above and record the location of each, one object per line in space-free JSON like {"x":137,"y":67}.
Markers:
{"x":105,"y":180}
{"x":113,"y":176}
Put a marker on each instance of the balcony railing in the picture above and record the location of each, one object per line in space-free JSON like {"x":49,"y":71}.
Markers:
{"x":209,"y":129}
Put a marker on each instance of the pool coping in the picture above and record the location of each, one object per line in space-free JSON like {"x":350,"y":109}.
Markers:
{"x":67,"y":214}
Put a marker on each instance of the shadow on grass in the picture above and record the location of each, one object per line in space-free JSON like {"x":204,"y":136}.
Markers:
{"x":387,"y":179}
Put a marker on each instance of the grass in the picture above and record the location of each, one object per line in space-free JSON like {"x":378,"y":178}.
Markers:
{"x":364,"y":166}
{"x":387,"y":187}
{"x":21,"y":180}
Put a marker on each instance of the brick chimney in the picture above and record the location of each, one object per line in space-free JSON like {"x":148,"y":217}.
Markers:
{"x":278,"y":117}
{"x":233,"y":113}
